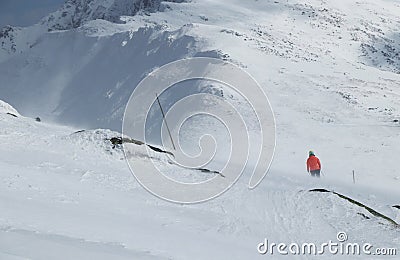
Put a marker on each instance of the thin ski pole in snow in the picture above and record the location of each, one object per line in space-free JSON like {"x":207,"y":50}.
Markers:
{"x":354,"y":177}
{"x":162,"y":112}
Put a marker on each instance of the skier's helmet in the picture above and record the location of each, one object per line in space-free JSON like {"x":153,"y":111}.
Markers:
{"x":311,"y":153}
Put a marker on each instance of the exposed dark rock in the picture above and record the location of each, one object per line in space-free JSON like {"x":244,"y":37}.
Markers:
{"x":210,"y":171}
{"x":74,"y":13}
{"x":363,"y":215}
{"x":118,"y":141}
{"x":370,"y":210}
{"x":11,"y":114}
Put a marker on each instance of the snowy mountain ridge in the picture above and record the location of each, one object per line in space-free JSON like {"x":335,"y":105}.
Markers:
{"x":331,"y":73}
{"x":75,"y":13}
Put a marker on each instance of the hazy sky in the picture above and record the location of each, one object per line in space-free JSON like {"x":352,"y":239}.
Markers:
{"x":25,"y":12}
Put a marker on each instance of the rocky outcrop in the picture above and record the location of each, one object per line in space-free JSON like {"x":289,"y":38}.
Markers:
{"x":74,"y":13}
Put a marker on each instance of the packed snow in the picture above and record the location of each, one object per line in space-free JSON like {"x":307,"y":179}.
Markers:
{"x":330,"y":70}
{"x":67,"y":194}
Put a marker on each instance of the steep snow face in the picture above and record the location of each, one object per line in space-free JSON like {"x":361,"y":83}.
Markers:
{"x":60,"y":80}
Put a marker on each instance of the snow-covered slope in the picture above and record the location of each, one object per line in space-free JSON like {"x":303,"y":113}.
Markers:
{"x":7,"y":108}
{"x":108,"y":59}
{"x":73,"y":14}
{"x":328,"y":91}
{"x":329,"y":68}
{"x":69,"y":195}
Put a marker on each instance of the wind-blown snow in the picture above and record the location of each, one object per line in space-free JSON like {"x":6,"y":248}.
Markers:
{"x":69,"y":195}
{"x":329,"y":68}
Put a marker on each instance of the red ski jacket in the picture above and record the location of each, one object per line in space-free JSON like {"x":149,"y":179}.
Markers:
{"x":313,"y":163}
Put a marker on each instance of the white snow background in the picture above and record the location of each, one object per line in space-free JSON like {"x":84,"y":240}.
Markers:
{"x":331,"y":70}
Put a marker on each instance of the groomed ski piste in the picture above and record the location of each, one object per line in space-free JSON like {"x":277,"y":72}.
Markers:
{"x":330,"y":70}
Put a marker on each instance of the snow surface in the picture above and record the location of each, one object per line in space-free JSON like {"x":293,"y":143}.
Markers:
{"x":7,"y":108}
{"x":330,"y":70}
{"x":68,"y":195}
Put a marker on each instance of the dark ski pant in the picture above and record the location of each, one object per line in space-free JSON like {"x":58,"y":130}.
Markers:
{"x":315,"y":173}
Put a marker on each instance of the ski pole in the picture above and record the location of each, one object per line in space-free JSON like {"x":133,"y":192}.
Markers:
{"x":165,"y":120}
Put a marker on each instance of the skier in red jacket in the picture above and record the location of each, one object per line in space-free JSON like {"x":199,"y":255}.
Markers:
{"x":313,"y":165}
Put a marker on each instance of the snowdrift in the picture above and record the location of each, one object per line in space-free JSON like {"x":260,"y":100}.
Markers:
{"x":7,"y":108}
